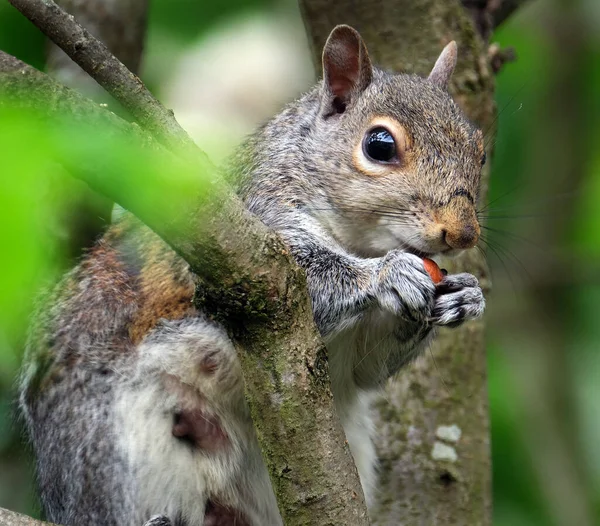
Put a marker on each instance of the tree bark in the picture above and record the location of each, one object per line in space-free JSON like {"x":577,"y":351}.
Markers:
{"x":10,"y":518}
{"x":489,"y":14}
{"x":423,"y":484}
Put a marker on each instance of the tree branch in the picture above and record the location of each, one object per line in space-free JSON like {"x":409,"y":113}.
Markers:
{"x":10,"y":518}
{"x":119,"y":24}
{"x":246,"y":271}
{"x":489,"y":14}
{"x":504,"y":9}
{"x":94,"y":57}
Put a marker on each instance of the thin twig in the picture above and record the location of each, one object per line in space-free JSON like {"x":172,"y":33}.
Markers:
{"x":94,"y":57}
{"x":505,"y":9}
{"x":489,"y":14}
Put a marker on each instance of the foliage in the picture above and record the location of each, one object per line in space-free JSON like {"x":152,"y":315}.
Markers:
{"x":545,"y":192}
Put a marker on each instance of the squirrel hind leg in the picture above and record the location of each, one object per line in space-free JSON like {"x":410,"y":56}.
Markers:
{"x":196,"y":364}
{"x":196,"y":353}
{"x":189,"y":367}
{"x":197,"y":426}
{"x":185,"y":429}
{"x":218,"y":515}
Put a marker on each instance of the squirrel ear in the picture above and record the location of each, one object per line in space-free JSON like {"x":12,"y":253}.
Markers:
{"x":444,"y":66}
{"x":347,"y":70}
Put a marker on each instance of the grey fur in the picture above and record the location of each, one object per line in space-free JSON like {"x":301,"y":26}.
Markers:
{"x":100,"y":404}
{"x":460,"y":299}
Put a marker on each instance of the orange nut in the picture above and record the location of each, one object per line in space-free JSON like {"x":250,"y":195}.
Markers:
{"x":433,"y":270}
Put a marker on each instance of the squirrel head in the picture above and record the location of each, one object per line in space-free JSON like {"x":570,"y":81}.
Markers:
{"x":400,"y":164}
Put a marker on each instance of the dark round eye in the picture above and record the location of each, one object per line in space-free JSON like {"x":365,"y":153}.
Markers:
{"x":483,"y":159}
{"x":379,"y":145}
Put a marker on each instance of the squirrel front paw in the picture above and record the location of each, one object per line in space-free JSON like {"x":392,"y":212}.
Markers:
{"x":458,"y":298}
{"x":404,"y":287}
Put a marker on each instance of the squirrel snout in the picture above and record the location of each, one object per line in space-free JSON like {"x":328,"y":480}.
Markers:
{"x":462,"y":236}
{"x":459,"y":225}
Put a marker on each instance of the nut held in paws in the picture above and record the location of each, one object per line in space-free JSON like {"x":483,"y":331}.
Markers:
{"x":433,"y":270}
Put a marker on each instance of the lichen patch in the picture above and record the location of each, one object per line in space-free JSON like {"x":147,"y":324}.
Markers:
{"x":443,"y":452}
{"x":448,"y":433}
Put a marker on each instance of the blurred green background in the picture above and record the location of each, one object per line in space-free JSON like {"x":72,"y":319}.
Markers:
{"x":224,"y":67}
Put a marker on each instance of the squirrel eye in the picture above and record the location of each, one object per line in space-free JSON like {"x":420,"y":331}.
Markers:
{"x":379,"y":145}
{"x":483,"y":159}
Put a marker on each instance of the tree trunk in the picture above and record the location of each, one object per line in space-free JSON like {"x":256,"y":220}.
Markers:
{"x":428,"y":479}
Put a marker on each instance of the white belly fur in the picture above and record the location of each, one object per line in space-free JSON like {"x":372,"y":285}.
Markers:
{"x":358,"y":355}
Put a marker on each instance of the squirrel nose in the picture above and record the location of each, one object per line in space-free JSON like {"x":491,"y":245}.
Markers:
{"x":458,"y":220}
{"x":464,"y":236}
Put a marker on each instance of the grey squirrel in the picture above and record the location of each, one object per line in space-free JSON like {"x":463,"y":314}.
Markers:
{"x":134,"y":400}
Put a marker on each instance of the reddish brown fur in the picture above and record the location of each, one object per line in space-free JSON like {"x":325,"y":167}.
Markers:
{"x":132,"y":265}
{"x":160,"y":297}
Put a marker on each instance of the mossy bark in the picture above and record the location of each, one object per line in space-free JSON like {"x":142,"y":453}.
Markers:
{"x":448,"y":385}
